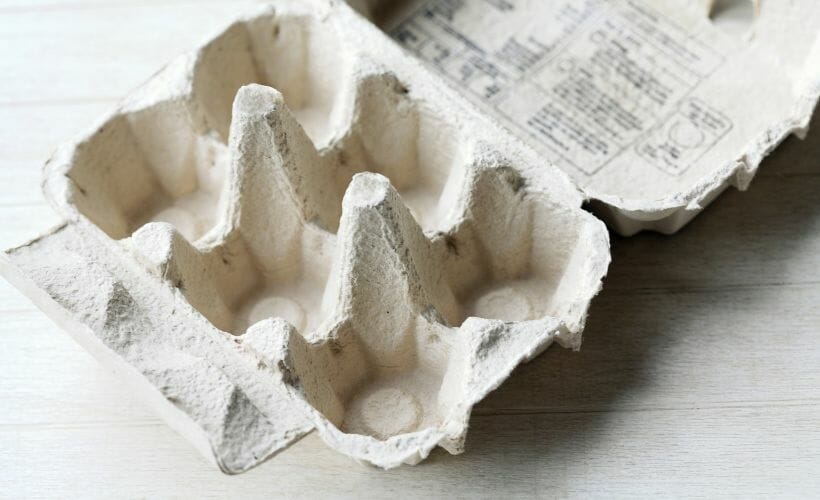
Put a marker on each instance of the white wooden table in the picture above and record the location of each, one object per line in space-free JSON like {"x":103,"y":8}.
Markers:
{"x":699,"y":376}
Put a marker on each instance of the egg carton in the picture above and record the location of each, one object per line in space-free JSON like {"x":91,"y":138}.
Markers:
{"x":653,"y":108}
{"x":303,"y":226}
{"x":298,"y":228}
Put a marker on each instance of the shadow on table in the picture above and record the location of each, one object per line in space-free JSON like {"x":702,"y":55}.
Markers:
{"x":656,"y":286}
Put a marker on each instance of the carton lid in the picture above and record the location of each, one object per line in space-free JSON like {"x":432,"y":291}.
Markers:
{"x":651,"y":107}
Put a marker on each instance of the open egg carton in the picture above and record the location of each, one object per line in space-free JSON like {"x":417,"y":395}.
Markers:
{"x":302,"y":227}
{"x":289,"y":231}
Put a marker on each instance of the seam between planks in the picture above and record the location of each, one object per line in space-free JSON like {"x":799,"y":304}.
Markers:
{"x":106,"y":5}
{"x":664,"y":290}
{"x":149,"y":423}
{"x":69,"y":101}
{"x":745,"y":405}
{"x":91,"y":424}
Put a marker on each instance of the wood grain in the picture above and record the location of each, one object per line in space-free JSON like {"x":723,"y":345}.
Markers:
{"x":699,"y":376}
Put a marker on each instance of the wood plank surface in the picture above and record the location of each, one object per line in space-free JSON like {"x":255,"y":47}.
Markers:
{"x":699,"y":375}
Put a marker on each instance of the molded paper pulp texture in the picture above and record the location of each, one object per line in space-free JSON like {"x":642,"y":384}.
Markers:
{"x":299,"y":227}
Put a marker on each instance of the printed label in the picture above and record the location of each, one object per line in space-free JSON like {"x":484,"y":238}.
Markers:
{"x":684,"y":137}
{"x":585,"y":80}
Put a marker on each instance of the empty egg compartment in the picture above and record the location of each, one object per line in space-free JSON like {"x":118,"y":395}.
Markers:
{"x":517,"y":254}
{"x":271,"y":260}
{"x":279,"y":172}
{"x":166,"y":159}
{"x":114,"y":183}
{"x":408,"y":305}
{"x":271,"y":254}
{"x":261,"y":226}
{"x":377,"y":370}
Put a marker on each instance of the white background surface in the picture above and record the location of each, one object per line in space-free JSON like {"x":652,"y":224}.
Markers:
{"x":699,"y":376}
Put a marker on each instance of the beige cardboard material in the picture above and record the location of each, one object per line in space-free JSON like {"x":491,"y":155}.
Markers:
{"x":301,"y":227}
{"x":297,"y":227}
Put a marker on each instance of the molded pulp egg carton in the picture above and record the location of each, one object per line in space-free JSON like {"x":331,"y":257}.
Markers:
{"x":301,"y":227}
